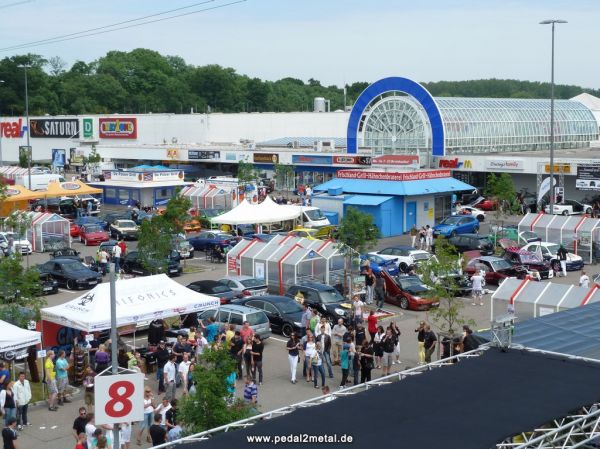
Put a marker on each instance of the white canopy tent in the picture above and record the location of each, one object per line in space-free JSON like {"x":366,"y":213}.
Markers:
{"x":266,"y":212}
{"x":13,"y":338}
{"x":138,"y":299}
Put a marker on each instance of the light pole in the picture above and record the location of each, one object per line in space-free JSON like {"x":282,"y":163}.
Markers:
{"x":552,"y":22}
{"x":29,"y":152}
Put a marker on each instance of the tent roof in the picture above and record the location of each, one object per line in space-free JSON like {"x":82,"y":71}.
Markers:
{"x":266,"y":212}
{"x":138,"y":299}
{"x":473,"y":404}
{"x":56,"y":189}
{"x":420,"y":187}
{"x":545,"y":293}
{"x":13,"y":338}
{"x":20,"y":193}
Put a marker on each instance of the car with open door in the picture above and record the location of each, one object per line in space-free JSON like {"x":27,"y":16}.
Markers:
{"x":70,"y":273}
{"x":408,"y":292}
{"x":495,"y":270}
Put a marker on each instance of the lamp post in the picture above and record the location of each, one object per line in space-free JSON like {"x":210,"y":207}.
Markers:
{"x":29,"y":152}
{"x":552,"y":22}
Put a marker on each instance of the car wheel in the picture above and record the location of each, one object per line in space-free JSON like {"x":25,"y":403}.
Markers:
{"x":480,"y":218}
{"x":71,"y":285}
{"x":453,"y":234}
{"x":501,"y":281}
{"x":403,"y":268}
{"x":403,"y":303}
{"x":588,"y":211}
{"x":565,"y":212}
{"x":287,"y":330}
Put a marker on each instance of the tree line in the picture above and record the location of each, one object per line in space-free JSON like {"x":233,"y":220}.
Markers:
{"x":143,"y":81}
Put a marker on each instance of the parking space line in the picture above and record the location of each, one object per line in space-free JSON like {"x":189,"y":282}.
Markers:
{"x":73,"y":292}
{"x":278,"y":339}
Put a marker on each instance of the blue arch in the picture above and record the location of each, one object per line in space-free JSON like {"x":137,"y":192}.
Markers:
{"x":409,"y":87}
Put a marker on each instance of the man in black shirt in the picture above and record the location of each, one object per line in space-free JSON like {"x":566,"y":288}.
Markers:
{"x":9,"y":434}
{"x":360,"y":336}
{"x":469,"y":342}
{"x":157,"y":432}
{"x":79,"y":423}
{"x":293,"y":346}
{"x":421,"y":341}
{"x":562,"y":257}
{"x":429,"y":343}
{"x":235,"y":350}
{"x":257,"y":352}
{"x":162,"y":357}
{"x":156,"y":331}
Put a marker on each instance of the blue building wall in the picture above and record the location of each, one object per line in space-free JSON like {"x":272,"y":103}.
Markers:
{"x":388,"y":216}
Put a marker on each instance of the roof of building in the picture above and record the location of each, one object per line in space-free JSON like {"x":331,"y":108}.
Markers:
{"x":402,"y":188}
{"x":293,"y":142}
{"x":367,"y":200}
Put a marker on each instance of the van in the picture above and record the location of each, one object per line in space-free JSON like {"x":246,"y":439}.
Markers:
{"x":38,"y":181}
{"x":311,"y":217}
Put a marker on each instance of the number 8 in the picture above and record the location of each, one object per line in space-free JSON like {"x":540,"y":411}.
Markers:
{"x":116,"y":398}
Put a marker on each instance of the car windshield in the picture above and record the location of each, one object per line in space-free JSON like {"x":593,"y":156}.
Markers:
{"x":331,"y":296}
{"x":73,"y":267}
{"x":223,"y":236}
{"x":552,"y":247}
{"x":409,"y":282}
{"x":289,"y":306}
{"x":92,"y":229}
{"x":450,"y":220}
{"x":314,"y":214}
{"x":421,"y":256}
{"x":220,"y":288}
{"x":126,"y":224}
{"x":256,"y":318}
{"x":252,"y":283}
{"x":500,"y":264}
{"x":530,"y":258}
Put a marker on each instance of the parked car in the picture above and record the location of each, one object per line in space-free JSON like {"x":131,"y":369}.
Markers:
{"x":111,"y":217}
{"x":108,"y":246}
{"x":533,"y":262}
{"x":133,"y":264}
{"x":378,"y":263}
{"x":284,"y":314}
{"x":92,"y":234}
{"x":66,"y":253}
{"x":65,"y":208}
{"x":206,"y":240}
{"x":462,"y":285}
{"x":325,"y":299}
{"x":549,"y":252}
{"x":570,"y":207}
{"x":470,"y":210}
{"x":405,"y":256}
{"x":237,"y":314}
{"x":456,"y":224}
{"x":206,"y":214}
{"x":214,"y":288}
{"x":470,"y":242}
{"x":70,"y":273}
{"x":86,"y":219}
{"x":486,"y":204}
{"x":512,"y":233}
{"x":73,"y":230}
{"x":245,"y":285}
{"x":408,"y":292}
{"x":183,"y":247}
{"x":49,"y":285}
{"x":126,"y":229}
{"x":495,"y":269}
{"x":19,"y":243}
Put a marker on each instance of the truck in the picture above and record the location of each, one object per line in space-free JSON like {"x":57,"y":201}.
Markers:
{"x":311,"y":217}
{"x":38,"y":181}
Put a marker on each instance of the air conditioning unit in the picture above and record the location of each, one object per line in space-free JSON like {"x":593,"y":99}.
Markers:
{"x":295,"y":144}
{"x":317,"y":145}
{"x":328,"y":146}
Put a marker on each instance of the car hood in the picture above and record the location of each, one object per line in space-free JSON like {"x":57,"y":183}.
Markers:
{"x":573,"y":257}
{"x":443,"y":227}
{"x":97,"y":234}
{"x":417,"y":290}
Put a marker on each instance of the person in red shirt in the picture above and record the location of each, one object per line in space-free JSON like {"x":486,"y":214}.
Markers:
{"x":81,"y":441}
{"x":123,"y":247}
{"x":246,"y":333}
{"x":372,"y":324}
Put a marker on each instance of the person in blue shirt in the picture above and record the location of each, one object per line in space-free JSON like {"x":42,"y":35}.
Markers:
{"x":345,"y":362}
{"x":212,"y":330}
{"x":4,"y":376}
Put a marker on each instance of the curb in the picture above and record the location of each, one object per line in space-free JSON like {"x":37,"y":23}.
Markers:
{"x":75,"y":391}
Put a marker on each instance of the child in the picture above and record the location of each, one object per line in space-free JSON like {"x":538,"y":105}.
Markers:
{"x":81,"y":441}
{"x":125,"y":435}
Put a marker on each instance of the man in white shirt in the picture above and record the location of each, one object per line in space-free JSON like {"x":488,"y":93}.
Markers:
{"x":184,"y":368}
{"x":477,"y":283}
{"x":163,"y":408}
{"x":116,"y":253}
{"x":337,"y":335}
{"x":170,"y":375}
{"x":584,"y":280}
{"x":429,"y":237}
{"x":22,"y":392}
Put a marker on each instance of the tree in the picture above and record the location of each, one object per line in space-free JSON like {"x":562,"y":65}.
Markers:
{"x":19,"y":222}
{"x":246,"y":172}
{"x":357,"y":230}
{"x":284,"y":176}
{"x":501,"y":188}
{"x":439,"y":274}
{"x":212,"y":404}
{"x":177,"y":214}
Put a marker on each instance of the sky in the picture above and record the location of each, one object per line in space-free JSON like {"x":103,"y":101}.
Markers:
{"x":334,"y":41}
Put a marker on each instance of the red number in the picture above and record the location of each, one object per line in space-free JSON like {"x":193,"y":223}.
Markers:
{"x":116,"y":398}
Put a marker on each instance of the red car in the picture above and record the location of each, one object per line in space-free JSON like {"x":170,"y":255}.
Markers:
{"x":486,"y":204}
{"x":74,"y":230}
{"x":407,"y":292}
{"x":496,"y":269}
{"x":92,"y":234}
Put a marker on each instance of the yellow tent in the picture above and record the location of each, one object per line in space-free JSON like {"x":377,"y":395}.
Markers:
{"x":16,"y":198}
{"x":69,"y":188}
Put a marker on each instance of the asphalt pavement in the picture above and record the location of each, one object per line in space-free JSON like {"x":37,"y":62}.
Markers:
{"x":52,"y":430}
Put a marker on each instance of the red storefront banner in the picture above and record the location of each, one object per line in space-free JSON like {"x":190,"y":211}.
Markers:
{"x":352,"y":160}
{"x":393,"y":176}
{"x":396,"y":159}
{"x":118,"y":128}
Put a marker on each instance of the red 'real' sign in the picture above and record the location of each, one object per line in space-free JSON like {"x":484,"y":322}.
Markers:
{"x":393,"y":176}
{"x":12,"y":129}
{"x":118,"y":128}
{"x":396,"y":159}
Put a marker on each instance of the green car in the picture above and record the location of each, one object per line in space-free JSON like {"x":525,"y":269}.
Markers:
{"x":509,"y":233}
{"x":206,"y":214}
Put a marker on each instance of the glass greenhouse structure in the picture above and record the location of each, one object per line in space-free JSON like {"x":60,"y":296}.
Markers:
{"x":396,"y":123}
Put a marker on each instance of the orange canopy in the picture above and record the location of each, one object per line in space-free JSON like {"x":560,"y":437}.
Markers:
{"x":69,"y":188}
{"x":20,"y":193}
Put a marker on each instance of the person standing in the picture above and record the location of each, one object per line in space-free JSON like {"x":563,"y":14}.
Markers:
{"x":156,"y":331}
{"x":477,"y":283}
{"x":257,"y":354}
{"x":123,"y":247}
{"x":8,"y":403}
{"x":117,"y":252}
{"x":162,"y":357}
{"x":62,"y":377}
{"x":236,"y":350}
{"x":366,"y":361}
{"x":293,"y":349}
{"x":584,"y":280}
{"x":562,"y":255}
{"x":369,"y":284}
{"x":309,"y":348}
{"x":306,"y":316}
{"x":380,"y":291}
{"x":345,"y":363}
{"x":103,"y":260}
{"x":430,"y":340}
{"x":251,"y":393}
{"x":421,"y":341}
{"x":413,"y":235}
{"x":22,"y":391}
{"x":377,"y":346}
{"x":9,"y":434}
{"x":388,"y":345}
{"x":357,"y":306}
{"x":162,"y":409}
{"x":422,"y":238}
{"x":158,"y":433}
{"x":338,"y":332}
{"x":246,"y":332}
{"x":429,"y":237}
{"x":372,"y":324}
{"x":183,"y":369}
{"x":325,"y":341}
{"x":90,"y":429}
{"x":396,"y":332}
{"x":50,"y":376}
{"x":316,"y":361}
{"x":79,"y":424}
{"x":4,"y":376}
{"x":170,"y":377}
{"x":148,"y":414}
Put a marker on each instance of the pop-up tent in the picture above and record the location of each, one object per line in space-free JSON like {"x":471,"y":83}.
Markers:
{"x":13,"y":338}
{"x":266,"y":212}
{"x":16,"y":198}
{"x":70,"y":188}
{"x":138,"y":299}
{"x":48,"y":231}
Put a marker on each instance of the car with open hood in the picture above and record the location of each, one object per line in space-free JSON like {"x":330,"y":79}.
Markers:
{"x":549,"y":250}
{"x":495,"y":270}
{"x":532,"y":261}
{"x":408,"y":292}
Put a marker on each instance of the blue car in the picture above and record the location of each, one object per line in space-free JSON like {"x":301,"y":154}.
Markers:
{"x":457,"y":224}
{"x":208,"y":239}
{"x":378,"y":263}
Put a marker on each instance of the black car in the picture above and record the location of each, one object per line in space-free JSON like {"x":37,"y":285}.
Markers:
{"x":70,"y":273}
{"x":471,"y":242}
{"x":461,"y":286}
{"x":214,"y":288}
{"x":285,"y":314}
{"x":132,"y":264}
{"x":65,"y":208}
{"x":111,"y":217}
{"x":48,"y":284}
{"x":66,"y":253}
{"x":325,"y":299}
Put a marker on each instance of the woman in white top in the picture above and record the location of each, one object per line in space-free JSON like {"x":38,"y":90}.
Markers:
{"x":323,"y":322}
{"x":148,"y":412}
{"x":309,"y":350}
{"x":377,"y":348}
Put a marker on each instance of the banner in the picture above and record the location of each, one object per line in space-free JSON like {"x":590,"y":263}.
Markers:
{"x":54,"y":128}
{"x":352,"y":160}
{"x":391,"y":176}
{"x":88,"y":128}
{"x":588,"y":177}
{"x":266,"y":158}
{"x":302,"y":159}
{"x":118,"y":128}
{"x":58,"y":157}
{"x":204,"y":155}
{"x":545,"y":188}
{"x":397,"y":159}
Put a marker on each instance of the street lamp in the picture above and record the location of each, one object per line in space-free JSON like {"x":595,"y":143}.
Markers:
{"x":29,"y":152}
{"x":552,"y":22}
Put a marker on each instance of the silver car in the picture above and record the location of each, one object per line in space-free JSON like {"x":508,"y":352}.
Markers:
{"x":237,"y":315}
{"x":246,"y":285}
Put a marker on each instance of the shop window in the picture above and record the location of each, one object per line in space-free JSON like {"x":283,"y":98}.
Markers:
{"x":161,"y":194}
{"x":123,"y":194}
{"x":110,"y":193}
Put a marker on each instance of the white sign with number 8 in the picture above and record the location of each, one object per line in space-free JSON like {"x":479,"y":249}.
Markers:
{"x":119,"y":398}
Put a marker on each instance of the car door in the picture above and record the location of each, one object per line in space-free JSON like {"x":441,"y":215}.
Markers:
{"x":275,"y":317}
{"x":58,"y":273}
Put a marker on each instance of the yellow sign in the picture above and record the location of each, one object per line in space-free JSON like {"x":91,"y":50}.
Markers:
{"x":468,"y":164}
{"x":172,"y":153}
{"x":558,"y":168}
{"x":430,"y":213}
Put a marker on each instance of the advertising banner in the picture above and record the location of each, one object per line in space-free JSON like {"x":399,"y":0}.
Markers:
{"x":118,"y":128}
{"x":352,"y":160}
{"x":504,"y":164}
{"x":397,"y":159}
{"x":88,"y":128}
{"x":588,"y":177}
{"x":545,"y":187}
{"x":390,"y":176}
{"x":10,"y":130}
{"x":75,"y":157}
{"x":204,"y":155}
{"x":54,"y":128}
{"x":58,"y":157}
{"x":266,"y":158}
{"x":302,"y":159}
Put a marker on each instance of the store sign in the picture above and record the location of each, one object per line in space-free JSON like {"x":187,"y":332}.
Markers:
{"x":559,"y":168}
{"x":455,"y":163}
{"x":54,"y":128}
{"x":266,"y":158}
{"x":165,"y":175}
{"x":397,"y":159}
{"x":122,"y":176}
{"x":88,"y":128}
{"x":588,"y":177}
{"x":312,"y":160}
{"x":11,"y":192}
{"x":204,"y":155}
{"x":172,"y":153}
{"x":391,"y":176}
{"x":352,"y":160}
{"x":118,"y":128}
{"x":75,"y":157}
{"x":58,"y":157}
{"x":11,"y":130}
{"x":504,"y":164}
{"x":230,"y":157}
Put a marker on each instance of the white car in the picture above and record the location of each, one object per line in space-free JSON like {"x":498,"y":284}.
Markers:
{"x":549,"y":250}
{"x":246,"y":285}
{"x":470,"y":210}
{"x":405,"y":256}
{"x":570,"y":207}
{"x":18,"y":243}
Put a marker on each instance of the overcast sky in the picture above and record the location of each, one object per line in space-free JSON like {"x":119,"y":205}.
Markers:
{"x":334,"y":41}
